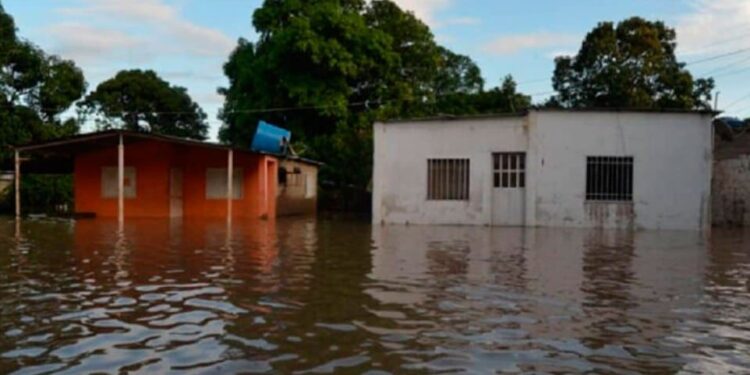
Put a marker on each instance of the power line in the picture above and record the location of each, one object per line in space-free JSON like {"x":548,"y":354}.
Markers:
{"x":742,"y":110}
{"x":732,"y":72}
{"x":716,"y":57}
{"x":724,"y":67}
{"x":732,"y":104}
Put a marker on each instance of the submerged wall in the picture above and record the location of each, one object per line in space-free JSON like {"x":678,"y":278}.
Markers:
{"x":731,"y":192}
{"x":297,"y":193}
{"x":672,"y":162}
{"x":731,"y":181}
{"x":153,"y":162}
{"x":400,"y":167}
{"x":672,"y":155}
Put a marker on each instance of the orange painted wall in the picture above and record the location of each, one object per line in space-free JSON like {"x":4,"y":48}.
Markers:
{"x":153,"y":161}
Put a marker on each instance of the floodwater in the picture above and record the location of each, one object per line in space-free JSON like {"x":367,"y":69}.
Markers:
{"x":300,"y":296}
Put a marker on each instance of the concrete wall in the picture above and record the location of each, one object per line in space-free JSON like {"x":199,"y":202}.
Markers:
{"x":672,"y":168}
{"x":299,"y":195}
{"x":671,"y":176}
{"x":153,"y":160}
{"x":731,"y":192}
{"x":731,"y":183}
{"x":400,"y":167}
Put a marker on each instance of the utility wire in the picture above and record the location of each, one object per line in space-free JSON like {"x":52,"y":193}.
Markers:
{"x":732,"y":104}
{"x":716,"y":57}
{"x":356,"y":104}
{"x":725,"y":67}
{"x":733,"y":72}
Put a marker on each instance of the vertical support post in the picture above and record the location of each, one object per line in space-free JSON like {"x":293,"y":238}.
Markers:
{"x":265,"y":188}
{"x":230,"y":183}
{"x":121,"y":181}
{"x":17,"y":181}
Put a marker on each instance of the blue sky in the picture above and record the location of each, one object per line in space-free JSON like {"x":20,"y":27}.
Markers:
{"x":187,"y":41}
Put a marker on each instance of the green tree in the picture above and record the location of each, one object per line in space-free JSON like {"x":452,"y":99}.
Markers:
{"x":629,"y":65}
{"x":140,"y":100}
{"x":310,"y":54}
{"x":327,"y":69}
{"x":35,"y":89}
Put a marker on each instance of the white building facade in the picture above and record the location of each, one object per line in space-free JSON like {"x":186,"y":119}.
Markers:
{"x":547,"y":168}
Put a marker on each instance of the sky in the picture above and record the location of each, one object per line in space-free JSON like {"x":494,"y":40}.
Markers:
{"x":187,"y":41}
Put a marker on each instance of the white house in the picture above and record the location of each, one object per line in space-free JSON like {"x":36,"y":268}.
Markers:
{"x":549,"y":168}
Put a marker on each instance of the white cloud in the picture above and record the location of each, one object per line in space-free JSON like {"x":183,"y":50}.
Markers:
{"x":714,"y":26}
{"x":166,"y":30}
{"x":426,"y":10}
{"x":512,"y":44}
{"x":82,"y":42}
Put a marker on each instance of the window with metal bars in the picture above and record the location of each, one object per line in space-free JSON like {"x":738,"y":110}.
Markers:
{"x":448,"y":179}
{"x":609,"y":178}
{"x":509,"y":170}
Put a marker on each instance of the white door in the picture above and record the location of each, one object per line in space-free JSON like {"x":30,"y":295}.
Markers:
{"x":508,"y":188}
{"x":175,"y":192}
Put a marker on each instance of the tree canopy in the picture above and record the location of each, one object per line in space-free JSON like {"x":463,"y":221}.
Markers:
{"x":630,"y":65}
{"x":139,"y":100}
{"x":327,"y":69}
{"x":35,"y":88}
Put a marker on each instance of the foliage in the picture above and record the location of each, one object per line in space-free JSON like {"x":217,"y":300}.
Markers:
{"x":140,"y":100}
{"x":327,"y":69}
{"x":35,"y":88}
{"x":628,"y":65}
{"x":40,"y":194}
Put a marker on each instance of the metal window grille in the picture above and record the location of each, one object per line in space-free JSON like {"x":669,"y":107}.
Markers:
{"x":609,"y":178}
{"x":448,"y":179}
{"x":509,"y":170}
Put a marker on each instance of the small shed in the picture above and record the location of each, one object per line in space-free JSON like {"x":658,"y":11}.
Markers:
{"x":122,"y":174}
{"x":297,"y":193}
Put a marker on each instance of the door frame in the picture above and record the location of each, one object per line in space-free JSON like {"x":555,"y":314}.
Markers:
{"x":514,"y":177}
{"x":176,"y":192}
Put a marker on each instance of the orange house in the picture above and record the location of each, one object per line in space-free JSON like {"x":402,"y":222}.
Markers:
{"x":131,"y":174}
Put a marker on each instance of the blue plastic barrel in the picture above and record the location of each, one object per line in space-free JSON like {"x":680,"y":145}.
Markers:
{"x":270,"y":138}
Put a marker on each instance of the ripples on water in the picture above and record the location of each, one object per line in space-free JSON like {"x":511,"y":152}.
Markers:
{"x":333,"y":296}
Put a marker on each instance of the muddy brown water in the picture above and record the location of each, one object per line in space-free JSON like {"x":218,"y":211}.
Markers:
{"x":305,"y":296}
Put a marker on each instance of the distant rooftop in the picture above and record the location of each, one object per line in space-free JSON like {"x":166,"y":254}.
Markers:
{"x":59,"y":151}
{"x":545,"y":109}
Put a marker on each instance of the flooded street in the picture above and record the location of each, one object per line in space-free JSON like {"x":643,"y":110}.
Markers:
{"x":343,"y":296}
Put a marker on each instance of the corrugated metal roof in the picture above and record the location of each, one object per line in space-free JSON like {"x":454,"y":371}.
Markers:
{"x":77,"y":143}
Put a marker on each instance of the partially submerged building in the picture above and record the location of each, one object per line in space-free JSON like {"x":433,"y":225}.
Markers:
{"x":297,"y":192}
{"x":132,"y":174}
{"x":731,"y":175}
{"x":547,"y":167}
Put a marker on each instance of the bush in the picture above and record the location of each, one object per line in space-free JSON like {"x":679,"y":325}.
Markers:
{"x":41,"y":194}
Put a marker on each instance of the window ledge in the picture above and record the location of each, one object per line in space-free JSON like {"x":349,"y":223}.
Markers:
{"x":609,"y":202}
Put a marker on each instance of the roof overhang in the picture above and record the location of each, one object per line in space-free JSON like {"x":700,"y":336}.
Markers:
{"x":57,"y":155}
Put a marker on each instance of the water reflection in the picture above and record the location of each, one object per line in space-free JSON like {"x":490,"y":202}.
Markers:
{"x":304,"y":296}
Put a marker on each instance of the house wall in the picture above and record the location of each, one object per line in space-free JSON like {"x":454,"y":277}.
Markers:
{"x":731,"y":192}
{"x":731,"y":181}
{"x":152,"y":180}
{"x":672,"y":168}
{"x":299,"y":196}
{"x":153,"y":161}
{"x":400,"y":167}
{"x":671,"y":177}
